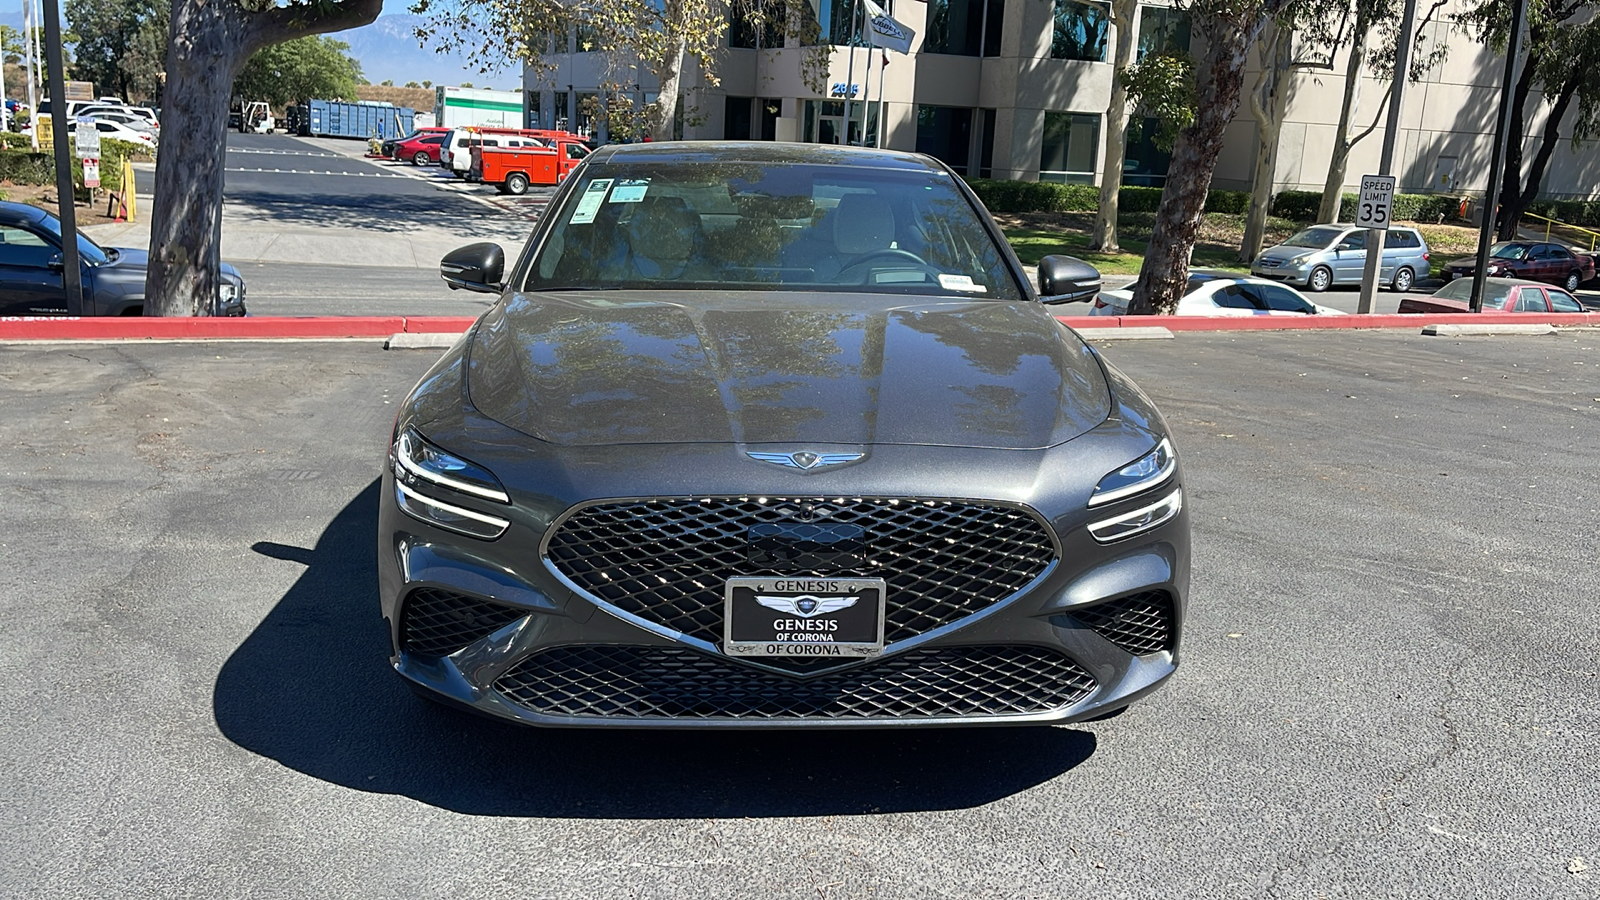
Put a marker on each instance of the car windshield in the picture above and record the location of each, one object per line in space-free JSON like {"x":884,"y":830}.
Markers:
{"x":734,"y":225}
{"x":91,"y":252}
{"x":1314,"y":237}
{"x":1496,"y":292}
{"x":1509,"y":251}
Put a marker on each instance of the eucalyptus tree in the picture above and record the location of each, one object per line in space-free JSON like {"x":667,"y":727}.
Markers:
{"x":210,"y":41}
{"x":1124,"y":18}
{"x":1227,"y":29}
{"x":1561,"y":60}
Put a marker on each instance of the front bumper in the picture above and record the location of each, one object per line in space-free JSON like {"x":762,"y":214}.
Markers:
{"x":494,"y":626}
{"x":1289,"y":273}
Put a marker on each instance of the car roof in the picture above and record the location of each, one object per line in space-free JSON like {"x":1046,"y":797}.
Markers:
{"x":17,"y":213}
{"x":763,"y":152}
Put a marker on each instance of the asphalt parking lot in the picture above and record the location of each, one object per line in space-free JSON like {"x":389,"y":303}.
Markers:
{"x":1389,"y":686}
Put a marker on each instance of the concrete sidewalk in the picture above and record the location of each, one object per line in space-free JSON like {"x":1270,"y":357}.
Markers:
{"x":249,"y":236}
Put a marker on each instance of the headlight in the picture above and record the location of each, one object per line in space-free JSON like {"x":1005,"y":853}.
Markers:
{"x":228,"y":292}
{"x":1140,"y":520}
{"x":1141,"y":475}
{"x":421,"y":470}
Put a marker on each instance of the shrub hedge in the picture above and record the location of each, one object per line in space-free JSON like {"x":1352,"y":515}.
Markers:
{"x":28,"y":167}
{"x":1298,"y":206}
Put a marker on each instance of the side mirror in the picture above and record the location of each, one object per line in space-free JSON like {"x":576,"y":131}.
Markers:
{"x":1345,"y":245}
{"x":476,"y":267}
{"x":1067,"y":279}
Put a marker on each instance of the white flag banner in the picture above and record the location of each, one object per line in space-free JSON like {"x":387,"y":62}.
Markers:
{"x":884,"y":31}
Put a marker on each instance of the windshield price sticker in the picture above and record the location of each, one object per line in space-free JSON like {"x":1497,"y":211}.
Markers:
{"x":630,"y":190}
{"x":1376,"y":201}
{"x":589,"y":203}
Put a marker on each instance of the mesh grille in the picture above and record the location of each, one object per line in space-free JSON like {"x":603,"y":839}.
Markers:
{"x":671,"y":682}
{"x":438,"y":623}
{"x":1138,"y":623}
{"x":666,"y":560}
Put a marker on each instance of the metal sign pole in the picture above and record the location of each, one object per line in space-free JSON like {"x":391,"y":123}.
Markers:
{"x":1375,"y":237}
{"x":71,"y":274}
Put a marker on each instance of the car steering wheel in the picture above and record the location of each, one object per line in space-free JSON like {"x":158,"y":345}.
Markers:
{"x":886,"y":253}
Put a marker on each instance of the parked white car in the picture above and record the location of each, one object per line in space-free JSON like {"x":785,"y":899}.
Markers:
{"x":455,"y":156}
{"x":137,"y":123}
{"x":1223,"y":294}
{"x":117,"y":131}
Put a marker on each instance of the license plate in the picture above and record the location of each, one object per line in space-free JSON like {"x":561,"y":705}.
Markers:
{"x":803,"y":617}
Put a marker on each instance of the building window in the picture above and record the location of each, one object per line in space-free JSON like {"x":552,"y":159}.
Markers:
{"x":945,"y":132}
{"x":736,"y":119}
{"x":744,"y":34}
{"x":1145,"y":164}
{"x":563,"y":119}
{"x":1080,"y":31}
{"x":1071,"y":145}
{"x":1162,"y":30}
{"x":532,"y":119}
{"x":958,"y":27}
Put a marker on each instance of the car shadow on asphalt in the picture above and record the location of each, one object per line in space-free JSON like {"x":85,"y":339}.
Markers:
{"x":311,"y":688}
{"x":373,"y":214}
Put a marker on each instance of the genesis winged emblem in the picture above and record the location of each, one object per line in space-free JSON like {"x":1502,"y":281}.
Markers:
{"x":806,"y":605}
{"x":805,"y":459}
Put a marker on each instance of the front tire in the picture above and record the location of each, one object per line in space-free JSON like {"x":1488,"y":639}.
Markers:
{"x":516,"y":184}
{"x":1572,"y":282}
{"x":1321,"y":279}
{"x":1402,"y":280}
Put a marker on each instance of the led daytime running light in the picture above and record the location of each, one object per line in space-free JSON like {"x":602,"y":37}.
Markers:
{"x":500,"y":525}
{"x":1139,"y":521}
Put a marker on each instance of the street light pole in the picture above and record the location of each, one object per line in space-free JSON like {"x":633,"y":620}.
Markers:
{"x":1497,"y":161}
{"x":1375,"y":236}
{"x":71,"y":274}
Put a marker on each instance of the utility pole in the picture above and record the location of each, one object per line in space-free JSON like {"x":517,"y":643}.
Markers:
{"x":1497,"y":162}
{"x":71,"y":274}
{"x":1375,"y":236}
{"x":28,"y":56}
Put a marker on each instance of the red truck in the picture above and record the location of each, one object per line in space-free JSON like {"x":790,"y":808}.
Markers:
{"x":513,"y":169}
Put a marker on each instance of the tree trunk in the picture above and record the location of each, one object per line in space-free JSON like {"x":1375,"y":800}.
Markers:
{"x":209,"y":41}
{"x":1511,"y":178}
{"x":1338,"y":163}
{"x":185,"y":249}
{"x":1267,"y":105}
{"x":1125,"y":14}
{"x":1194,"y":159}
{"x":1512,"y":209}
{"x":671,"y":75}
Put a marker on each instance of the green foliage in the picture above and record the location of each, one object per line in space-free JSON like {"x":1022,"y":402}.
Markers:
{"x":1163,"y":88}
{"x":1302,"y":206}
{"x":28,"y":167}
{"x":295,"y":71}
{"x":1571,"y":212}
{"x":121,"y":44}
{"x":1041,"y":196}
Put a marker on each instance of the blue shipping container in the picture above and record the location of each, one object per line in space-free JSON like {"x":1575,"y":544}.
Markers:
{"x":334,"y":118}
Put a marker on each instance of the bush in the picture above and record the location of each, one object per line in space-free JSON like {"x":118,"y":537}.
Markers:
{"x":1044,"y":196}
{"x":1572,"y":212}
{"x":27,"y":167}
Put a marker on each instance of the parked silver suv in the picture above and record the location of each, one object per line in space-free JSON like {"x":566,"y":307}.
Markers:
{"x":1325,"y":255}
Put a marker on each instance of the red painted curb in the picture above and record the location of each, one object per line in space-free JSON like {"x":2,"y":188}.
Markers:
{"x":1303,"y":323}
{"x":54,"y":328}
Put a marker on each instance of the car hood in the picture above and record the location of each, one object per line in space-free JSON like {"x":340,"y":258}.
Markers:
{"x":631,"y":368}
{"x":1283,"y":254}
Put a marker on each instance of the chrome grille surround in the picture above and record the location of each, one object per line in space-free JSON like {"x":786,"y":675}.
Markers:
{"x":661,"y":562}
{"x":927,"y":683}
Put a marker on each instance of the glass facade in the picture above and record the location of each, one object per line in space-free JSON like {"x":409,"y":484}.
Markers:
{"x":1071,"y":146}
{"x":964,"y":27}
{"x":1162,"y":29}
{"x":945,"y":132}
{"x":1145,"y":164}
{"x":1080,"y":31}
{"x":744,"y":33}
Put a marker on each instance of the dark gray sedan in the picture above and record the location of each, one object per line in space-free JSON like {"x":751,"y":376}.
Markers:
{"x":770,"y":435}
{"x":113,"y":277}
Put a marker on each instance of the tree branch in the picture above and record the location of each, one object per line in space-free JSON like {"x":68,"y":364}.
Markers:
{"x":297,"y":20}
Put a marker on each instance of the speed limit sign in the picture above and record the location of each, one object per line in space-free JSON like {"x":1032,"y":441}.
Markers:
{"x":1376,"y":200}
